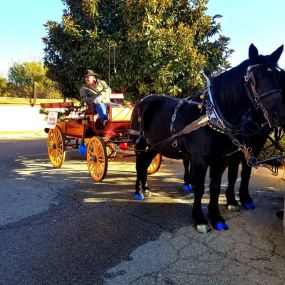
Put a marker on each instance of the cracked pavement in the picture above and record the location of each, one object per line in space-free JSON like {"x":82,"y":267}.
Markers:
{"x":249,"y":253}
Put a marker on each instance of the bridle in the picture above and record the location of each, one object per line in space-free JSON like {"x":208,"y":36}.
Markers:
{"x":256,"y":97}
{"x":218,"y":122}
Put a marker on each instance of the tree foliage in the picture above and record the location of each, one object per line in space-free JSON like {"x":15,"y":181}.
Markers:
{"x":141,"y":46}
{"x":3,"y":87}
{"x":23,"y":76}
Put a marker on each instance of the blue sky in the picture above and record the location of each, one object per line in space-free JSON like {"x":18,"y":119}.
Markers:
{"x":261,"y":22}
{"x":22,"y":29}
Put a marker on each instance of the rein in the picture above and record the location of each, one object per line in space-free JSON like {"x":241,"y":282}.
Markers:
{"x":195,"y":125}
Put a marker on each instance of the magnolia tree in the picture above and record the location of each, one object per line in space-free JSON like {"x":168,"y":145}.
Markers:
{"x":138,"y":46}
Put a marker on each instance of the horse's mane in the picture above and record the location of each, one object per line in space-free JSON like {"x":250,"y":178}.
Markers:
{"x":229,"y":93}
{"x":229,"y":82}
{"x":232,"y":81}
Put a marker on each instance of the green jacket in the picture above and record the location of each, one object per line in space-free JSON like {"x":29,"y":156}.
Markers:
{"x":101,"y":93}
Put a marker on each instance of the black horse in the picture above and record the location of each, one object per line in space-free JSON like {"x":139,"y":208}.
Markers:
{"x":246,"y":201}
{"x":178,"y":129}
{"x":257,"y":142}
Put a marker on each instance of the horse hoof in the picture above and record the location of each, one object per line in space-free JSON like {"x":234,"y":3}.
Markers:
{"x":249,"y":206}
{"x":139,"y":196}
{"x":221,"y":226}
{"x":147,"y":193}
{"x":203,"y":229}
{"x":233,"y":208}
{"x":187,"y":187}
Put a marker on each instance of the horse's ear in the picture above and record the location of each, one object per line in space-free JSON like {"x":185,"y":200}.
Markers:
{"x":252,"y":53}
{"x":276,"y":54}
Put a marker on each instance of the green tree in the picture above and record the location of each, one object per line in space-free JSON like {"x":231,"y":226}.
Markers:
{"x":144,"y":46}
{"x":3,"y":87}
{"x":21,"y":79}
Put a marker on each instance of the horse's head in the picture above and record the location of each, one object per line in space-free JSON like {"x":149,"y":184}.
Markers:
{"x":262,"y":81}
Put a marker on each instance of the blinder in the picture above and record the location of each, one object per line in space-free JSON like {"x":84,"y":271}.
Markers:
{"x":255,"y":96}
{"x":251,"y":82}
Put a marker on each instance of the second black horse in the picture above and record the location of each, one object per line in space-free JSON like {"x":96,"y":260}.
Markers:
{"x":255,"y":139}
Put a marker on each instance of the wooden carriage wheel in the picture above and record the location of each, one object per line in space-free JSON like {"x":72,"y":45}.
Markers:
{"x":56,"y":147}
{"x":97,"y":159}
{"x":155,"y":164}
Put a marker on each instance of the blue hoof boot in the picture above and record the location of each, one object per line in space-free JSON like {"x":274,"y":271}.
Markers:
{"x":82,"y":149}
{"x":139,"y":197}
{"x":187,"y":187}
{"x":249,"y":206}
{"x":221,"y":226}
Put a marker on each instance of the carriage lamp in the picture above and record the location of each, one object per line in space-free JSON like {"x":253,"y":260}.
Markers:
{"x":124,"y":145}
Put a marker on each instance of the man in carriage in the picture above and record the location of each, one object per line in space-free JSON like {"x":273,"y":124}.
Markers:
{"x":96,"y":93}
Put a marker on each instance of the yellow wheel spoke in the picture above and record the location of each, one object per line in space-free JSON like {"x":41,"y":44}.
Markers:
{"x":97,"y":158}
{"x":56,"y":147}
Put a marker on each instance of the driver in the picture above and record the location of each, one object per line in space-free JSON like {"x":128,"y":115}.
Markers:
{"x":96,"y":92}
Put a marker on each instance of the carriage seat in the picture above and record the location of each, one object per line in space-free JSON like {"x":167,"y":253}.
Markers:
{"x":116,"y":109}
{"x":116,"y":99}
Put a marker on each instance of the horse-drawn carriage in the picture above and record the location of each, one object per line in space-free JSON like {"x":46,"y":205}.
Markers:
{"x":237,"y":103}
{"x":72,"y":126}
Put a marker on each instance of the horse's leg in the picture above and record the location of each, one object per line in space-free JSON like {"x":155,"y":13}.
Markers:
{"x":148,"y":157}
{"x":245,"y":199}
{"x":244,"y":196}
{"x":198,"y":172}
{"x":140,"y":149}
{"x":216,"y":172}
{"x":233,"y":165}
{"x":143,"y":160}
{"x":187,"y":176}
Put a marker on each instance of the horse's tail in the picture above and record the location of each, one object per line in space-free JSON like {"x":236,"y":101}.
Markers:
{"x":142,"y":116}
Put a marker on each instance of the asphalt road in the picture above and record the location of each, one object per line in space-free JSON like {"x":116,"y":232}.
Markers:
{"x":59,"y":227}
